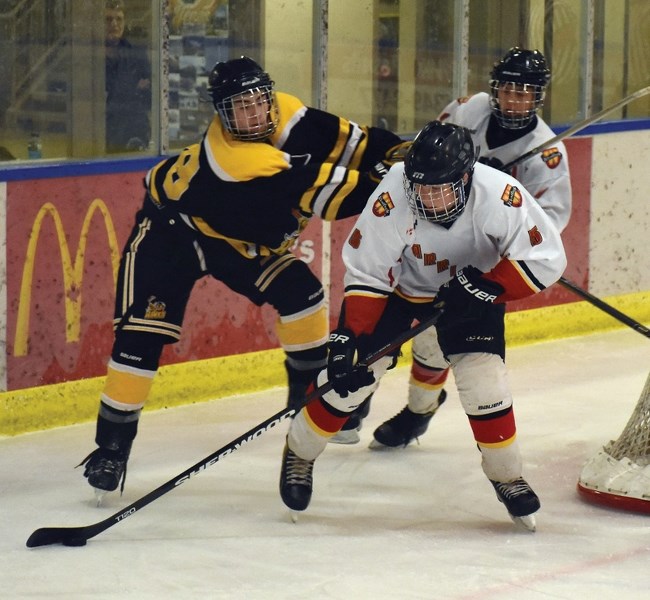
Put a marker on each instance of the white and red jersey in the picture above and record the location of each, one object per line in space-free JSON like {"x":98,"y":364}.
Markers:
{"x":502,"y":231}
{"x":545,"y":175}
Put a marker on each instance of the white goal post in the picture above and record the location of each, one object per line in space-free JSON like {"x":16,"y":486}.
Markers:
{"x":618,"y":475}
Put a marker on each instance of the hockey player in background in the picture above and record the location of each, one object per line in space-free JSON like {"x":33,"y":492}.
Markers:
{"x":504,"y":124}
{"x":438,"y":228}
{"x":232,"y":206}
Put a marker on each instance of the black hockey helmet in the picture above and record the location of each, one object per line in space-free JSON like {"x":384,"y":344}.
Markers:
{"x":242,"y":82}
{"x":435,"y":170}
{"x":525,"y":70}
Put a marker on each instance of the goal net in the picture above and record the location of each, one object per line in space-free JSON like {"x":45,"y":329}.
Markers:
{"x":619,"y":474}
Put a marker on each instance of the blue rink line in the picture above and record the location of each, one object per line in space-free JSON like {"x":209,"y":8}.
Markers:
{"x":60,"y":168}
{"x":606,"y":127}
{"x":48,"y":170}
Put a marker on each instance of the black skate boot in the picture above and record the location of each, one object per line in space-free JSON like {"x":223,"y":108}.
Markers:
{"x":404,"y":427}
{"x":520,"y":501}
{"x":105,"y":469}
{"x":295,"y":480}
{"x":349,"y":433}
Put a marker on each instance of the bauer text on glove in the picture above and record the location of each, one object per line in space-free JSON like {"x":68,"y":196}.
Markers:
{"x":467,"y":295}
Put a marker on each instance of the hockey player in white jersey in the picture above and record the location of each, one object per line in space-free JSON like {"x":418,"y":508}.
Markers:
{"x":505,"y":125}
{"x":438,"y":228}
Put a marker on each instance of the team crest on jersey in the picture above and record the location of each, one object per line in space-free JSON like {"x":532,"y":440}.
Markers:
{"x":383,"y":205}
{"x":355,"y":239}
{"x":535,"y":236}
{"x":155,"y":309}
{"x":552,"y":157}
{"x":512,"y":196}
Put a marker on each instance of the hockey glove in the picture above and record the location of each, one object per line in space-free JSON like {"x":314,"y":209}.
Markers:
{"x":343,"y":374}
{"x":495,"y":163}
{"x":393,"y":155}
{"x":467,"y":296}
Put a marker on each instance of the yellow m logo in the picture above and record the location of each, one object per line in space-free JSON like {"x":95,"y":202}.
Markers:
{"x":72,"y":272}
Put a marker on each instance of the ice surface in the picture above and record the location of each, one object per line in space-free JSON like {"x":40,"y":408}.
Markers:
{"x":411,"y":524}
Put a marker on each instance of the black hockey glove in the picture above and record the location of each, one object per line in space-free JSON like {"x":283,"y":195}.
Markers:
{"x":490,"y":161}
{"x":393,"y":155}
{"x":466,"y":296}
{"x":342,"y":372}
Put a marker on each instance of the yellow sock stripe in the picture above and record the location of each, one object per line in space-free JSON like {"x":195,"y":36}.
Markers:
{"x":126,"y":388}
{"x":426,"y":386}
{"x":501,"y":444}
{"x":303,"y":333}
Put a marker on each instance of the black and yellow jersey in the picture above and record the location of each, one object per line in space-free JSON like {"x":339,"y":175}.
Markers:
{"x":258,"y":196}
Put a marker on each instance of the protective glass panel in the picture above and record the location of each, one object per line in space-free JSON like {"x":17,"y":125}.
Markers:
{"x":389,"y":63}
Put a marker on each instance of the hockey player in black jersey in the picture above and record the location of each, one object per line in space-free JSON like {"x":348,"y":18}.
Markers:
{"x":231,"y":206}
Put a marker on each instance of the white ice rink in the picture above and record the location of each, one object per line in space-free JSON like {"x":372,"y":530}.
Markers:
{"x":418,"y":523}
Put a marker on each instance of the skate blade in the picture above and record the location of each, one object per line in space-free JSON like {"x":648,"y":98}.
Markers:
{"x":99,"y":496}
{"x":527,"y":522}
{"x":375,"y":445}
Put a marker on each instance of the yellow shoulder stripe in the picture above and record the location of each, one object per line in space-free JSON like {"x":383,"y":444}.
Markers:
{"x":234,"y":160}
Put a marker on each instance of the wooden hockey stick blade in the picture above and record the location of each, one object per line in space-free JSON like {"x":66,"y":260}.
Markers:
{"x":577,"y":127}
{"x":610,"y":310}
{"x":78,"y":536}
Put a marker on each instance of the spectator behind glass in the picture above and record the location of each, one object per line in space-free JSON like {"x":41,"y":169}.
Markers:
{"x":128,"y":87}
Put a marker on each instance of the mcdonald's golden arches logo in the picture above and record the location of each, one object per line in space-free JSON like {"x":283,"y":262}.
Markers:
{"x":72,"y":271}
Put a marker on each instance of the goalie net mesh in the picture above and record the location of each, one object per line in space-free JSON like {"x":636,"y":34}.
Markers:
{"x":619,"y":474}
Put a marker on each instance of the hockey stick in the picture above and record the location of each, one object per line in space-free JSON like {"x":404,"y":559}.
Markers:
{"x":610,"y":310}
{"x":577,"y":127}
{"x":78,"y":536}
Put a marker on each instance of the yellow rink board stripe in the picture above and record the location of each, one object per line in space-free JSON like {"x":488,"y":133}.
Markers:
{"x":73,"y":402}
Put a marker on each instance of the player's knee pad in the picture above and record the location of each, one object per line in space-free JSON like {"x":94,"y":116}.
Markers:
{"x":429,"y":372}
{"x":426,"y":349}
{"x":482,"y":382}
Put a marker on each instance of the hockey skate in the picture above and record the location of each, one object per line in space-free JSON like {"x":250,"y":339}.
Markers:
{"x":295,"y":480}
{"x":105,"y":470}
{"x":406,"y":426}
{"x":520,"y":501}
